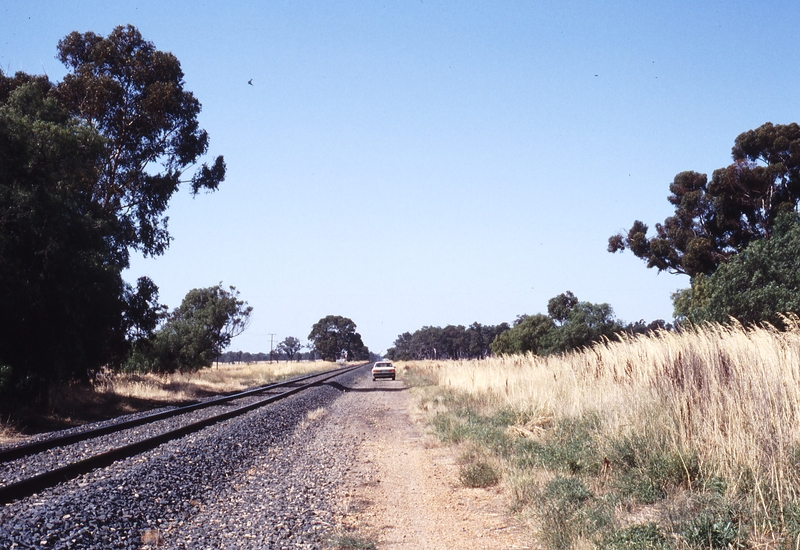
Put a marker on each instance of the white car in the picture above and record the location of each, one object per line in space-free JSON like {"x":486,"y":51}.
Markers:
{"x":382,"y":369}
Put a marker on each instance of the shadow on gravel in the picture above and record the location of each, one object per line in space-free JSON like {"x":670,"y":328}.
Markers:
{"x":82,"y":407}
{"x":340,"y":387}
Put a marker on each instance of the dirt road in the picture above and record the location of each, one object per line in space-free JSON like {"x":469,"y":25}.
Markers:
{"x":404,"y":493}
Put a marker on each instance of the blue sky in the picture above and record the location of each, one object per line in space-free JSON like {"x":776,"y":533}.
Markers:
{"x":434,"y":162}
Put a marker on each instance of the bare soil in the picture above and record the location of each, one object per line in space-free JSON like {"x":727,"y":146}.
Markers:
{"x":405,"y":491}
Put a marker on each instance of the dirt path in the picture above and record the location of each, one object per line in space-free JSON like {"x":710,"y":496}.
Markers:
{"x":405,"y":492}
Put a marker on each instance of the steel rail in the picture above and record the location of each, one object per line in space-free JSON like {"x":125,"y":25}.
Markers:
{"x":27,"y":449}
{"x":32,"y":485}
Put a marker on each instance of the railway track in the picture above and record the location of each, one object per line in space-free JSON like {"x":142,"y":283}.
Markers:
{"x":102,"y":446}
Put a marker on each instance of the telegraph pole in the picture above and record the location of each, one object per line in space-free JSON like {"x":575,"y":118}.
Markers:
{"x":270,"y":347}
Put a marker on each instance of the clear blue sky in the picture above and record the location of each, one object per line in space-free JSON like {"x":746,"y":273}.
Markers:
{"x":433,"y":162}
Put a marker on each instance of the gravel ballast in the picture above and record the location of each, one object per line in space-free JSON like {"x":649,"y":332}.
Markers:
{"x":267,"y":479}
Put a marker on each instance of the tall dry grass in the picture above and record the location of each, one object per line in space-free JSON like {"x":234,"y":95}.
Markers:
{"x":728,"y":394}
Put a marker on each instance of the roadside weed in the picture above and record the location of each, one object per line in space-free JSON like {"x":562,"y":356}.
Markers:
{"x":571,"y":512}
{"x":350,"y":542}
{"x":479,"y":474}
{"x":645,"y":536}
{"x":647,"y":469}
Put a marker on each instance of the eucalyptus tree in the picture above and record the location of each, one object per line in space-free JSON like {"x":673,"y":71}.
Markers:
{"x":195,"y":333}
{"x":134,"y":96}
{"x":334,"y":337}
{"x":87,"y":171}
{"x":716,"y":219}
{"x":289,"y":347}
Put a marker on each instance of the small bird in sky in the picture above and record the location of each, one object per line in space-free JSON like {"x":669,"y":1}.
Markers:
{"x":250,"y":81}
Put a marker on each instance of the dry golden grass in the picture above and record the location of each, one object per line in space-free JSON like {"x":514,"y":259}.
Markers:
{"x":730,"y":395}
{"x":216,"y":379}
{"x":9,"y":433}
{"x":115,"y":394}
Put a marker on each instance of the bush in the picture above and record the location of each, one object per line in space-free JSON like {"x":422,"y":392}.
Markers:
{"x":712,"y":530}
{"x":479,"y":475}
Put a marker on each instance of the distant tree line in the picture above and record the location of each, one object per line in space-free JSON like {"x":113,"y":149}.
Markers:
{"x":247,"y":357}
{"x":332,"y":338}
{"x":450,"y":342}
{"x":569,"y":324}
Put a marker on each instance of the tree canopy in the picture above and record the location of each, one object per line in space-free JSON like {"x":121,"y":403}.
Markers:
{"x":450,"y":342}
{"x":715,"y":220}
{"x":133,"y":95}
{"x":533,"y":333}
{"x":334,"y":337}
{"x":759,"y":284}
{"x":570,"y":324}
{"x":195,"y":333}
{"x":87,"y":168}
{"x":289,"y":347}
{"x":61,"y":294}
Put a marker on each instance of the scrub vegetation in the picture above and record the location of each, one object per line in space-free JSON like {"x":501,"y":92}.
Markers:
{"x":686,"y":439}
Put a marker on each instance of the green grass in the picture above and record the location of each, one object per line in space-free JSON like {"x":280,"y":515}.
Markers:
{"x":350,"y":542}
{"x":645,"y":536}
{"x":571,"y":512}
{"x":570,"y":447}
{"x":466,"y":424}
{"x":647,"y":469}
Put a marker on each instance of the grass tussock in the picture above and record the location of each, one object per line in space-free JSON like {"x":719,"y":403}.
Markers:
{"x":350,"y":541}
{"x":114,"y":394}
{"x":675,"y":440}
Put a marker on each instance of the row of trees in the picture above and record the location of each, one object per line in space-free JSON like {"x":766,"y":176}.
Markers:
{"x":286,"y":350}
{"x":736,"y":236}
{"x":332,"y":338}
{"x":569,"y":324}
{"x":450,"y":342}
{"x":87,"y":170}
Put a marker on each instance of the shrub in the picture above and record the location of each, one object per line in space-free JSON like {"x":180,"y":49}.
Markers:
{"x":479,"y":474}
{"x":713,"y":522}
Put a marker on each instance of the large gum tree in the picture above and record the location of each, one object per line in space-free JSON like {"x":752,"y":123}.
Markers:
{"x":87,"y":169}
{"x":716,"y":219}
